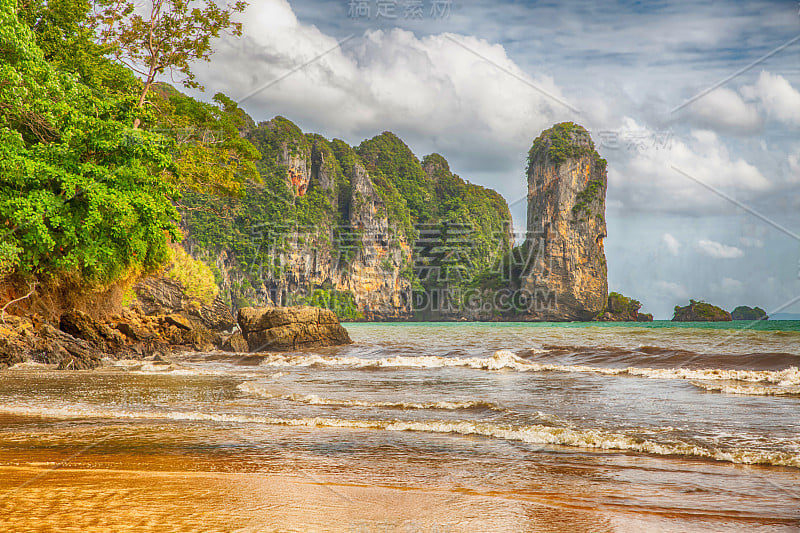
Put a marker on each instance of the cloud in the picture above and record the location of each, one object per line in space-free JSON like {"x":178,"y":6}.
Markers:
{"x":649,"y":178}
{"x":718,"y":250}
{"x":671,"y":289}
{"x":723,"y":109}
{"x":777,"y":97}
{"x":437,"y":91}
{"x":751,"y":242}
{"x":671,"y":243}
{"x":794,"y":167}
{"x":728,"y":286}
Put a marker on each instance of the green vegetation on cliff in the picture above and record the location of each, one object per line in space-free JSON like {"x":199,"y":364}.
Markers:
{"x":98,"y":168}
{"x":744,"y":312}
{"x":564,"y":141}
{"x":699,"y":311}
{"x":453,"y":227}
{"x":87,"y":198}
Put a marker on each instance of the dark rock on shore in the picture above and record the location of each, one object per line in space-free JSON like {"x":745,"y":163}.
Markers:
{"x":163,"y":321}
{"x":290,"y":328}
{"x":749,"y":313}
{"x":700,"y":312}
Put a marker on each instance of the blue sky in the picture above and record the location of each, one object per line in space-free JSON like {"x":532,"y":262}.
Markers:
{"x":478,"y":80}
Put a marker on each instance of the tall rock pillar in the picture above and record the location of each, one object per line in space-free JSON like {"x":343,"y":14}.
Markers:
{"x":566,"y":275}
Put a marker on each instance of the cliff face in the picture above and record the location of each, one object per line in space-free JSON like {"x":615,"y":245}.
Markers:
{"x":370,"y":232}
{"x":314,"y":232}
{"x":566,"y":277}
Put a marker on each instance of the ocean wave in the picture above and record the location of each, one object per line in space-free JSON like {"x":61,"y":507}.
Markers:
{"x":507,"y":360}
{"x":747,"y":390}
{"x":312,"y":399}
{"x":531,"y":434}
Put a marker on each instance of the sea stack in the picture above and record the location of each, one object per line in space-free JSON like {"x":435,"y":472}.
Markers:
{"x":567,"y":273}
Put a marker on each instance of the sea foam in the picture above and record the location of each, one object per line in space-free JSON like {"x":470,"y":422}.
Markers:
{"x":531,"y":434}
{"x":507,"y":360}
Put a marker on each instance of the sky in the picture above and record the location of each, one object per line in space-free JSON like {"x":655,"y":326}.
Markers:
{"x":696,"y":107}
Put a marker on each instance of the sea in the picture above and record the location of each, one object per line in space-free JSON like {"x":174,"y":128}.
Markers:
{"x":439,"y":427}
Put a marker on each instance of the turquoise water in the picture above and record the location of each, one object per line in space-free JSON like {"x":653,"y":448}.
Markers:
{"x":736,"y":325}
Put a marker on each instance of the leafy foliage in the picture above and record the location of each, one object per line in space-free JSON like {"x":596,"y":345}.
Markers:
{"x":340,"y":302}
{"x":564,"y":141}
{"x":210,"y":154}
{"x":196,"y":276}
{"x":64,"y":31}
{"x":167,"y":39}
{"x":744,"y":312}
{"x":81,"y":192}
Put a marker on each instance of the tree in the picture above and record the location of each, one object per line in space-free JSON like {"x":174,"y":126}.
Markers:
{"x":83,"y":197}
{"x":64,"y":31}
{"x":166,"y":38}
{"x":211,"y":156}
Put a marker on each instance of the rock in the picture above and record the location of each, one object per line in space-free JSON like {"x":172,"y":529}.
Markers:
{"x":290,"y":328}
{"x":565,"y":274}
{"x":179,"y":321}
{"x":749,"y":313}
{"x":161,"y":295}
{"x":236,"y":343}
{"x":82,"y":326}
{"x":700,"y":312}
{"x":135,"y":332}
{"x":620,"y":308}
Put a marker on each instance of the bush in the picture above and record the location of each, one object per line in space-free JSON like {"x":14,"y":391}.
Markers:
{"x":196,"y":276}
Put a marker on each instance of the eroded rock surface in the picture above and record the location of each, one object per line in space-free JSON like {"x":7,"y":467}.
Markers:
{"x":567,"y":275}
{"x":290,"y":328}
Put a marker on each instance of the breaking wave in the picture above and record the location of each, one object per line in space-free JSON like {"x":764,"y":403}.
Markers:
{"x":312,"y":399}
{"x":507,"y":360}
{"x":532,"y":434}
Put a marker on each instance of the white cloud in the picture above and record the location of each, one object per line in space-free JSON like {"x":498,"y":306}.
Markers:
{"x":672,"y":244}
{"x":671,"y":289}
{"x":776,"y":96}
{"x":723,"y":109}
{"x":427,"y":87}
{"x":728,"y":286}
{"x":650,"y":178}
{"x":718,"y":250}
{"x":794,"y":167}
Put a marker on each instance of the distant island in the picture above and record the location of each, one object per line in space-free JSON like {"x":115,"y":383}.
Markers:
{"x":699,"y":311}
{"x":749,"y":313}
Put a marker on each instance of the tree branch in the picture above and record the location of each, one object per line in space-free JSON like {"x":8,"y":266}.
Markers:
{"x":3,"y":310}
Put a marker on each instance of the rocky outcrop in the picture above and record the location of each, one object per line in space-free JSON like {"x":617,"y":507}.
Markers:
{"x":340,"y":226}
{"x":290,"y":328}
{"x":700,"y":312}
{"x":162,"y":321}
{"x":744,"y":312}
{"x":620,"y":308}
{"x":566,"y":276}
{"x":351,"y":253}
{"x":160,"y":295}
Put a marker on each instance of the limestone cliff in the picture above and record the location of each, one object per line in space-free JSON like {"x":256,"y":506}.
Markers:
{"x":324,"y":238}
{"x":566,"y":277}
{"x":370,"y":232}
